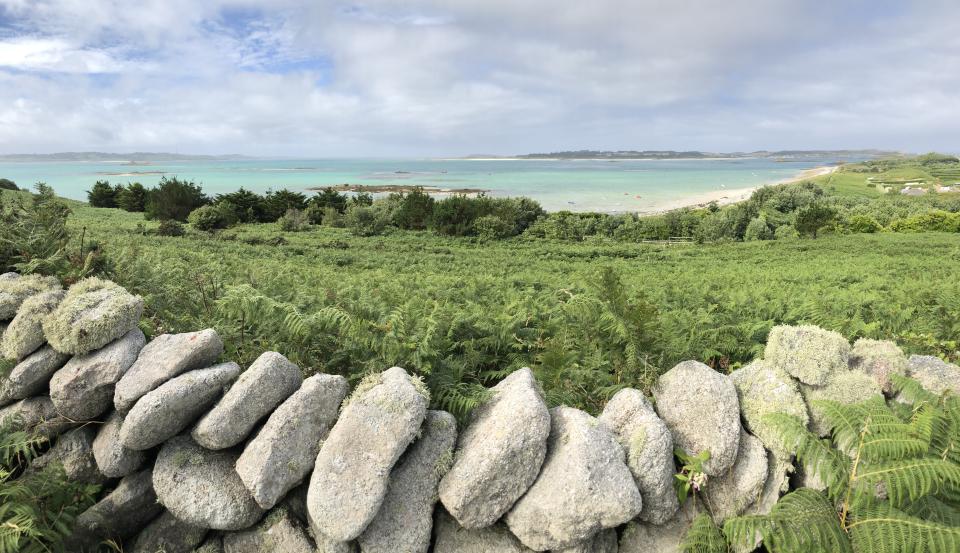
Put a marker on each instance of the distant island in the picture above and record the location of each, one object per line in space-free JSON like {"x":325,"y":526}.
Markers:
{"x":780,"y":155}
{"x":136,"y":157}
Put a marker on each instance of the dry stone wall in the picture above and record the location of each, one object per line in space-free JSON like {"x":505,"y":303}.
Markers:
{"x":199,"y":455}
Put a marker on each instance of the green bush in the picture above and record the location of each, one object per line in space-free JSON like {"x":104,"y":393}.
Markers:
{"x":249,"y":207}
{"x":103,"y":195}
{"x":491,"y":227}
{"x":758,"y":229}
{"x":174,"y":199}
{"x":863,"y":224}
{"x":414,"y":209}
{"x":931,"y":221}
{"x":34,"y":235}
{"x":454,"y":216}
{"x":169,"y":227}
{"x":278,"y":203}
{"x":785,"y":232}
{"x":216,"y":216}
{"x":7,"y":184}
{"x":132,"y":198}
{"x":366,"y":220}
{"x":294,"y":220}
{"x":812,"y":218}
{"x":328,"y":197}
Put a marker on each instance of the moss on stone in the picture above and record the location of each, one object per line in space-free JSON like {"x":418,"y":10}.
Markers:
{"x":93,"y":313}
{"x":25,"y":335}
{"x":366,"y":384}
{"x":763,"y":389}
{"x":880,"y":359}
{"x":808,"y":353}
{"x":845,"y":387}
{"x":14,"y":291}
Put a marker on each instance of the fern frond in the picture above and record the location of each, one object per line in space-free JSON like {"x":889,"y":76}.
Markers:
{"x":934,"y":509}
{"x":802,"y":521}
{"x":910,"y":479}
{"x":704,"y":537}
{"x":818,"y":456}
{"x":884,"y":529}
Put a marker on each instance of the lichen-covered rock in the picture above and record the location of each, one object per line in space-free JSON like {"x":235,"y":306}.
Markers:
{"x":450,"y":537}
{"x":282,"y":453}
{"x":92,"y":314}
{"x":776,"y":484}
{"x":212,"y":545}
{"x":352,"y":470}
{"x":729,"y":494}
{"x":31,"y":376}
{"x":9,"y":276}
{"x":164,"y":412}
{"x":497,"y":459}
{"x":604,"y":542}
{"x":880,"y":359}
{"x":763,"y":390}
{"x":167,"y":356}
{"x":405,"y":519}
{"x":649,"y":448}
{"x":121,"y":514}
{"x":113,"y":459}
{"x":701,"y":409}
{"x":279,"y":532}
{"x":74,"y":452}
{"x":83,"y":388}
{"x":24,"y":335}
{"x":808,"y":353}
{"x":13,"y":292}
{"x":269,"y":380}
{"x":845,"y":387}
{"x":200,"y":487}
{"x":583,"y":487}
{"x":934,"y":374}
{"x":35,"y":414}
{"x":664,"y":538}
{"x":168,"y":534}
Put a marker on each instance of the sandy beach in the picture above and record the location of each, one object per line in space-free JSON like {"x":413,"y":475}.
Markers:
{"x":731,"y":196}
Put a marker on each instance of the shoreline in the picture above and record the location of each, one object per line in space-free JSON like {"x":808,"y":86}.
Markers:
{"x":732,"y":196}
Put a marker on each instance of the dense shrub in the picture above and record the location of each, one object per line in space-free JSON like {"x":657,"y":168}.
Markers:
{"x":785,"y":232}
{"x":328,"y":197}
{"x":366,"y":220}
{"x":170,"y":227}
{"x":174,"y":199}
{"x":492,"y":227}
{"x":249,"y":207}
{"x":7,"y":184}
{"x":936,"y":220}
{"x":277,"y":203}
{"x":35,"y":235}
{"x":812,"y":218}
{"x":103,"y":194}
{"x":362,"y":198}
{"x":863,"y":224}
{"x":758,"y":229}
{"x":294,"y":220}
{"x":329,"y":216}
{"x":220,"y":215}
{"x":132,"y":197}
{"x":413,"y":210}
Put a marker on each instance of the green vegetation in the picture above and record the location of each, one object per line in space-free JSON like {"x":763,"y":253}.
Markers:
{"x":37,"y":508}
{"x":7,"y":184}
{"x":891,"y":473}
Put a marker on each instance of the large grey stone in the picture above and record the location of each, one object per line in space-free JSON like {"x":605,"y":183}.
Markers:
{"x":168,"y":534}
{"x":83,"y":388}
{"x":934,"y":374}
{"x":763,"y":390}
{"x":405,"y":519}
{"x":113,"y":459}
{"x":776,"y":484}
{"x":122,"y":513}
{"x":269,"y":380}
{"x":92,"y":314}
{"x":164,"y":412}
{"x":880,"y":359}
{"x":808,"y":353}
{"x":649,"y":448}
{"x":283,"y":452}
{"x":24,"y":335}
{"x":643,"y":537}
{"x":14,"y":291}
{"x":74,"y":452}
{"x":167,"y":356}
{"x":450,"y":537}
{"x":200,"y":487}
{"x":700,"y":407}
{"x":352,"y":471}
{"x":846,"y":387}
{"x":604,"y":542}
{"x":583,"y":487}
{"x":31,"y":376}
{"x":279,"y":532}
{"x":730,"y":494}
{"x":498,"y":459}
{"x":37,"y":415}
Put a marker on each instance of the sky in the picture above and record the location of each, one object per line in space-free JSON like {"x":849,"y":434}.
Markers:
{"x":457,"y":77}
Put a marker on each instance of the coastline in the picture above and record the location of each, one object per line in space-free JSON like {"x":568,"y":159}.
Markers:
{"x":732,"y":196}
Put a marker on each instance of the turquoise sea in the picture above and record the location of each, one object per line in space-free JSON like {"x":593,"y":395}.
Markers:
{"x":576,"y":185}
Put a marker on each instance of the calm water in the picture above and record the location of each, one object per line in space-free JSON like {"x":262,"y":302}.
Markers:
{"x":574,"y":185}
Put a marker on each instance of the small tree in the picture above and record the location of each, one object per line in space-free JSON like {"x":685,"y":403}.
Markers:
{"x":812,"y":218}
{"x":174,"y":199}
{"x":7,"y":184}
{"x":280,"y":202}
{"x":329,"y":197}
{"x":132,"y":198}
{"x":102,"y":195}
{"x":414,"y":210}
